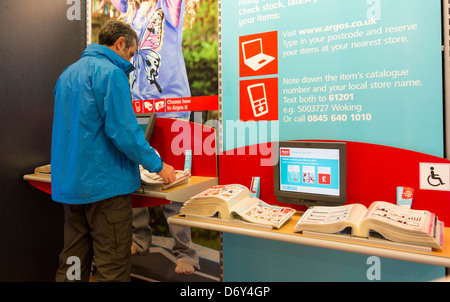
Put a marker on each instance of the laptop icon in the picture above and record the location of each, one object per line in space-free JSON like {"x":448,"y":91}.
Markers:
{"x":253,"y":54}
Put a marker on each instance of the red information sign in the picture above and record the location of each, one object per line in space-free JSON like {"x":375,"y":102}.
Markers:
{"x":198,"y":103}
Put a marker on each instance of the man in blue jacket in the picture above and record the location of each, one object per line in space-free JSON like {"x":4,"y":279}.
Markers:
{"x":97,"y":146}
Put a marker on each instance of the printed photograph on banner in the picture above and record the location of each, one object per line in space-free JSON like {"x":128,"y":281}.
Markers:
{"x":258,"y":54}
{"x":258,"y":100}
{"x":165,"y":66}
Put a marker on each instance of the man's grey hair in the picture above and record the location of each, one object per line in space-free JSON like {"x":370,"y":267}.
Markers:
{"x":115,"y":29}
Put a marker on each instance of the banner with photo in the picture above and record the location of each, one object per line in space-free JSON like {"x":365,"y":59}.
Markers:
{"x":176,"y":63}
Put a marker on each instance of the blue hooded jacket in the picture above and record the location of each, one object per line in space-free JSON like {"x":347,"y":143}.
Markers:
{"x":97,"y":144}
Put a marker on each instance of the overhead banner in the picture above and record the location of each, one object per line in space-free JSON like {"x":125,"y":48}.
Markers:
{"x":366,"y":71}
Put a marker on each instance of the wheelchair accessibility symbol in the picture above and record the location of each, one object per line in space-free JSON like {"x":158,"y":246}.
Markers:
{"x":434,"y":179}
{"x":435,"y":176}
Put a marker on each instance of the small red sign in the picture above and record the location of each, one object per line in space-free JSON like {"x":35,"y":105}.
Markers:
{"x":148,"y":106}
{"x":285,"y":152}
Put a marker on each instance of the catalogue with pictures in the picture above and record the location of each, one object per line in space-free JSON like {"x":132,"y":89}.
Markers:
{"x":393,"y":222}
{"x":234,"y":203}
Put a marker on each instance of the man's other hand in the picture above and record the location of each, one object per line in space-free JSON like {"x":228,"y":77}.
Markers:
{"x":167,"y":173}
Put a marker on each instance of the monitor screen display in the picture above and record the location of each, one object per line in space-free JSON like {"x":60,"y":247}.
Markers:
{"x":311,"y":173}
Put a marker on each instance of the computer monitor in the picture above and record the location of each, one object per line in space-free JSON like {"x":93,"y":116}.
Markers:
{"x":147,"y":123}
{"x":311,"y":173}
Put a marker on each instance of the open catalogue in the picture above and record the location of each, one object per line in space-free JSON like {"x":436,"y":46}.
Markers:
{"x":393,"y":222}
{"x":156,"y":182}
{"x":233,"y":203}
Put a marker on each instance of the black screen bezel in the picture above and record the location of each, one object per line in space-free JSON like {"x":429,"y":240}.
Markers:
{"x":150,"y":124}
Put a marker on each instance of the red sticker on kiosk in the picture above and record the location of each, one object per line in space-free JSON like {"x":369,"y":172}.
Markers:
{"x":408,"y":193}
{"x":148,"y":106}
{"x":160,"y":105}
{"x":137,"y":106}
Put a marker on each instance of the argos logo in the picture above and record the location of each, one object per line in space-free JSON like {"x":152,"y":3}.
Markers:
{"x":285,"y":152}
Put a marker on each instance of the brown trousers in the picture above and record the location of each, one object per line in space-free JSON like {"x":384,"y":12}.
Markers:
{"x":100,"y":230}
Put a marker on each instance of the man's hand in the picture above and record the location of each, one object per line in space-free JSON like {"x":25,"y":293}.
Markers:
{"x":167,"y":173}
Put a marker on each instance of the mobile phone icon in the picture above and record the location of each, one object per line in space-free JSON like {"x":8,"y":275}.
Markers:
{"x":137,"y":106}
{"x":258,"y":99}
